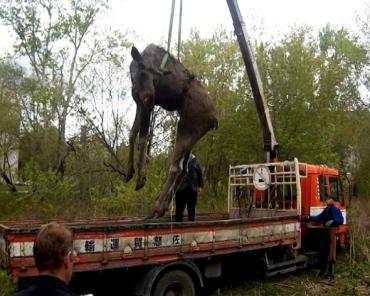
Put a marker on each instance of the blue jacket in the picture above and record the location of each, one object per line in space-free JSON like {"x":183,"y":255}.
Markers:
{"x":331,"y":212}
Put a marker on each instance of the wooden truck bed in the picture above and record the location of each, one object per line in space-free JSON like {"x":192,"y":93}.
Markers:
{"x":124,"y":242}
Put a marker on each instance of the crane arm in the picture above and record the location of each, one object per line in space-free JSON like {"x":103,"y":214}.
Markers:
{"x":269,"y":142}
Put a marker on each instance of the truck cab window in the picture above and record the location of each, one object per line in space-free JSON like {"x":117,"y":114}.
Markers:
{"x":322,"y":189}
{"x":335,"y":189}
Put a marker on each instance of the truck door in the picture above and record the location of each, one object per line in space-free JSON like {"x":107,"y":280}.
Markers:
{"x":331,"y":186}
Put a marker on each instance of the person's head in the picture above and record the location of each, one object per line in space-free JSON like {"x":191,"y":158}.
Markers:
{"x":53,"y":251}
{"x":329,"y":201}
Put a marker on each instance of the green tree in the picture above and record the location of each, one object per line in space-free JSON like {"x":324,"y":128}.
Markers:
{"x":104,"y":88}
{"x":10,"y":79}
{"x":362,"y":119}
{"x":59,"y":40}
{"x":312,"y":86}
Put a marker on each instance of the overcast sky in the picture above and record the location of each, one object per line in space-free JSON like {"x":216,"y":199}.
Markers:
{"x":150,"y":19}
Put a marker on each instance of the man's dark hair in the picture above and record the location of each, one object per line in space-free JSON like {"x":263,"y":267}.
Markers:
{"x":52,"y":243}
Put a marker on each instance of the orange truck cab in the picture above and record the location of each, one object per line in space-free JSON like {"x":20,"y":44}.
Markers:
{"x":289,"y":186}
{"x":318,"y":183}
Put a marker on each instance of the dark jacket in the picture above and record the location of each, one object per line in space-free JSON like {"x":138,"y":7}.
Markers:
{"x":331,"y":212}
{"x":46,"y":286}
{"x":193,"y":178}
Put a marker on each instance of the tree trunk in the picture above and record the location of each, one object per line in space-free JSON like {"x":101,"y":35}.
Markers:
{"x":60,"y":167}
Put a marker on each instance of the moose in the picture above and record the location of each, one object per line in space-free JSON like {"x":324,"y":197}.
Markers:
{"x":173,"y":88}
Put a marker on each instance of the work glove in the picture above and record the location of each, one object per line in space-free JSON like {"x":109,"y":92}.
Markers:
{"x":328,"y":223}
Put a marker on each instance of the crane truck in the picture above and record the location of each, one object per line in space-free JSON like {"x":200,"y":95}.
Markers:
{"x":262,"y":228}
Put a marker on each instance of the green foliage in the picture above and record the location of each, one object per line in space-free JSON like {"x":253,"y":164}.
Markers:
{"x":10,"y":111}
{"x":6,"y":285}
{"x":47,"y":196}
{"x":60,"y":41}
{"x":359,"y":233}
{"x":312,"y":86}
{"x":126,"y":200}
{"x":9,"y":105}
{"x":38,"y":148}
{"x":362,"y":172}
{"x":217,"y":62}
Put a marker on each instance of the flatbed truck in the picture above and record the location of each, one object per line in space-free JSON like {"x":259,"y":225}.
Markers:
{"x":166,"y":256}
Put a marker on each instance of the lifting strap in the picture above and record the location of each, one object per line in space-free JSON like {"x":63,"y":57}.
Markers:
{"x":166,"y":55}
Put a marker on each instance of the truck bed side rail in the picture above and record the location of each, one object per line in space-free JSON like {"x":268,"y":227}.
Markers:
{"x":264,"y":190}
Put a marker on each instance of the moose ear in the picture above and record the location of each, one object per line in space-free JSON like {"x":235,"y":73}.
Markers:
{"x":136,"y":54}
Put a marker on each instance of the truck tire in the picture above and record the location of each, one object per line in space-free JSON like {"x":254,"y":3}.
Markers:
{"x":175,"y":283}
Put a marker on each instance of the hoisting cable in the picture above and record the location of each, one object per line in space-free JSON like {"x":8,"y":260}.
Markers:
{"x":165,"y":57}
{"x":171,"y":25}
{"x":179,"y":32}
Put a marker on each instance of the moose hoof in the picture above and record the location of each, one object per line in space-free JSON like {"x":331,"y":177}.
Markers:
{"x":128,"y":177}
{"x":140,"y":184}
{"x":157,"y":214}
{"x":152,"y":215}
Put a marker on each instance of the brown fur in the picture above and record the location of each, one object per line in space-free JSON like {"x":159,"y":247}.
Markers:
{"x":174,"y":89}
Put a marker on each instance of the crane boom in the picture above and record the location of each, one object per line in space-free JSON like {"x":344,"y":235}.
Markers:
{"x":269,"y":142}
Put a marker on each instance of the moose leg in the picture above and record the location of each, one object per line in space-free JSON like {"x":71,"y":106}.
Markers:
{"x":187,"y":137}
{"x":143,"y":139}
{"x":174,"y":177}
{"x":133,"y":133}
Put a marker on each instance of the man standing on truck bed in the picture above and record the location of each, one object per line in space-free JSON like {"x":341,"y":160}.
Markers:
{"x":189,"y":189}
{"x":331,"y":217}
{"x":53,"y":251}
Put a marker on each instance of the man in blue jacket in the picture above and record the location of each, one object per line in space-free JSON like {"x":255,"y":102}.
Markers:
{"x":330,"y":217}
{"x":189,"y":189}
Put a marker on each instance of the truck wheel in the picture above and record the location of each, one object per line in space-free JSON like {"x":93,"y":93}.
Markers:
{"x":175,"y":283}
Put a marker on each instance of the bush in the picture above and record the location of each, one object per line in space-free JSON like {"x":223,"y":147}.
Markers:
{"x":128,"y":201}
{"x":47,"y":196}
{"x":359,"y":228}
{"x":6,"y":285}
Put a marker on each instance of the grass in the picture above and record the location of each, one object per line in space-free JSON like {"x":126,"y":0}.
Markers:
{"x":306,"y":283}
